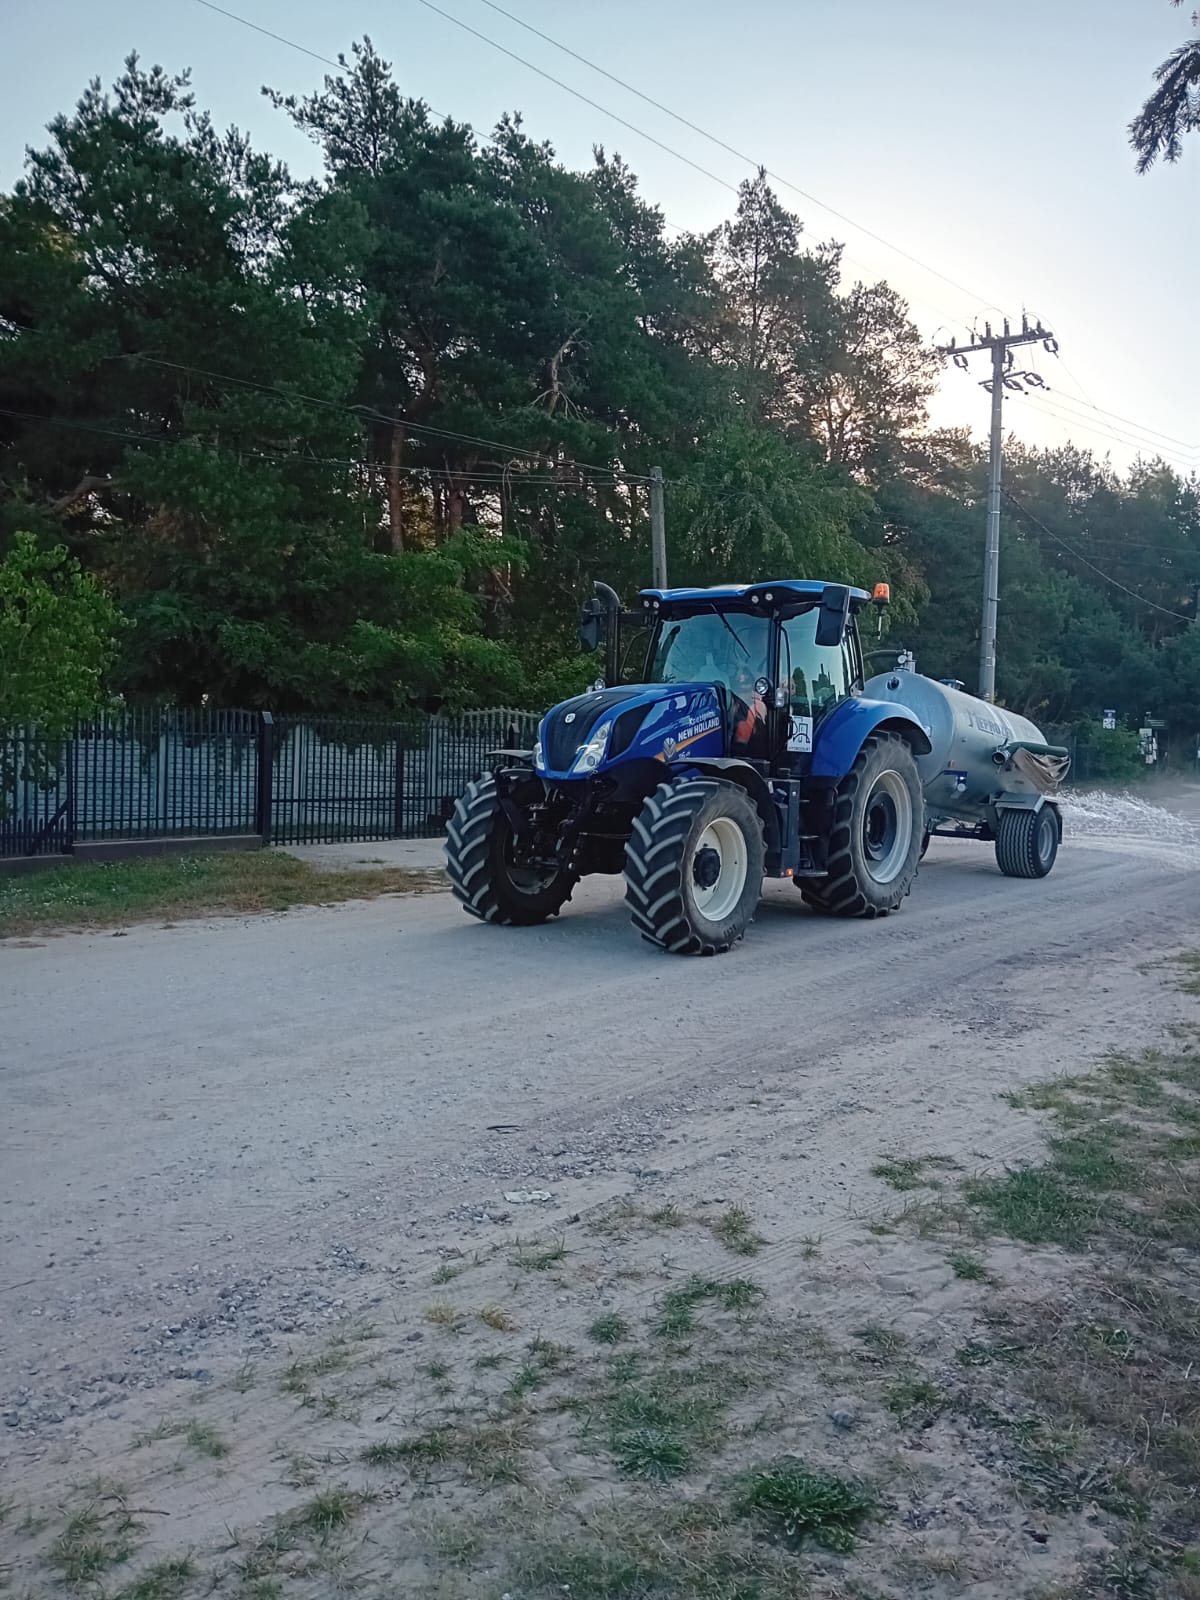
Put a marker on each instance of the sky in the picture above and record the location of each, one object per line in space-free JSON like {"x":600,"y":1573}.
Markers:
{"x":985,"y":143}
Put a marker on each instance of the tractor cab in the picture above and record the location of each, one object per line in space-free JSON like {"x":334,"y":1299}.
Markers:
{"x":780,"y":656}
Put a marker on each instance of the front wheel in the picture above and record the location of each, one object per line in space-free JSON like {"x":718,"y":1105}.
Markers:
{"x":1027,"y":842}
{"x":485,"y":866}
{"x":694,"y":866}
{"x":878,"y":829}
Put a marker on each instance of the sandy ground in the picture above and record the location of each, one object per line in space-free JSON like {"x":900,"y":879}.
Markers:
{"x":222,"y":1140}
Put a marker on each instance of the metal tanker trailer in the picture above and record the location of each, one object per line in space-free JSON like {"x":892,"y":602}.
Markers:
{"x":989,"y":774}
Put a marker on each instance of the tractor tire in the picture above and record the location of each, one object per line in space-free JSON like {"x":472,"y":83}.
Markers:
{"x":694,"y":866}
{"x":878,"y":830}
{"x":483,"y":875}
{"x":1027,"y":842}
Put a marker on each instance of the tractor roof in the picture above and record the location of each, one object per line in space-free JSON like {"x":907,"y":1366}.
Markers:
{"x":807,"y":588}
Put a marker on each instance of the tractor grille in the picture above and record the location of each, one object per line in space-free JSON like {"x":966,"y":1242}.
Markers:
{"x":561,"y":739}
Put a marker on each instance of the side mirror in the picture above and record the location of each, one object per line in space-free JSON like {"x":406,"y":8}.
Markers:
{"x":591,"y":620}
{"x":834,"y":615}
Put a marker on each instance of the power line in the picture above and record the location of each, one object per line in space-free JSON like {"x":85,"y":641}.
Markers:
{"x":715,"y":139}
{"x":1144,"y":447}
{"x":76,"y":425}
{"x":367,"y":413}
{"x":1099,"y":571}
{"x":579,"y":95}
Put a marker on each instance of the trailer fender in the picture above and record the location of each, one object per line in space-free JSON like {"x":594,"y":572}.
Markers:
{"x":730,"y":770}
{"x":844,"y":731}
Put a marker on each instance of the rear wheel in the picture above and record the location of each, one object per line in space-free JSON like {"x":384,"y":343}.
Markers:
{"x":1027,"y":842}
{"x":694,"y":866}
{"x":878,"y":829}
{"x":485,"y":866}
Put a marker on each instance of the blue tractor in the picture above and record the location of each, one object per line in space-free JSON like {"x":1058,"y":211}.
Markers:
{"x":750,"y":750}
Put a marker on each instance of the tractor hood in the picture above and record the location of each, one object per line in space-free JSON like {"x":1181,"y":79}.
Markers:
{"x":637,"y":722}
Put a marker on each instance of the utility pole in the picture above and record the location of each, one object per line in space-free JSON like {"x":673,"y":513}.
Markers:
{"x":658,"y":529}
{"x":1003,"y":377}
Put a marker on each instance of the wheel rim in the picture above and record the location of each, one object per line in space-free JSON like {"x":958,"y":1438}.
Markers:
{"x":1046,"y":840}
{"x":525,"y":879}
{"x":887,"y":827}
{"x":720,"y":863}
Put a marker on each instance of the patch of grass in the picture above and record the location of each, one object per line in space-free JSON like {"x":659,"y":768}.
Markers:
{"x":446,"y":1274}
{"x":96,"y":1538}
{"x":968,"y":1267}
{"x":443,"y":1315}
{"x":653,"y":1453}
{"x":885,"y":1343}
{"x":489,"y":1361}
{"x":1088,"y":1159}
{"x":533,"y":1256}
{"x":497,"y":1318}
{"x":488,"y":1452}
{"x":735,"y":1230}
{"x":165,"y":1580}
{"x":810,"y":1246}
{"x":913,"y":1396}
{"x":909,"y":1172}
{"x":795,"y":1505}
{"x":609,"y":1329}
{"x":543,"y":1358}
{"x":677,"y":1308}
{"x":204,"y":1439}
{"x":111,"y":893}
{"x":1034,"y":1204}
{"x":244,"y":1378}
{"x":327,"y":1512}
{"x":668,"y":1216}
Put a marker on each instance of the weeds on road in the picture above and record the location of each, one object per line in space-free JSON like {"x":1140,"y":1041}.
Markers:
{"x":910,"y":1172}
{"x":796,"y":1504}
{"x":735,"y":1230}
{"x":1093,"y":1391}
{"x":172,"y":888}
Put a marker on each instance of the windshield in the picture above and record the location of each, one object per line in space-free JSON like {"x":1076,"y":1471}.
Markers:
{"x":728,"y":647}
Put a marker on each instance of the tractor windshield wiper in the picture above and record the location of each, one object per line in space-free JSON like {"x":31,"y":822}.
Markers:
{"x":728,"y":626}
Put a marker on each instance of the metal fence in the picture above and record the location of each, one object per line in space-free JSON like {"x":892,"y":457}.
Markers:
{"x":150,"y":774}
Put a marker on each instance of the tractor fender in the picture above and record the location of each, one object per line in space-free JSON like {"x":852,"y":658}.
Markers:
{"x":730,"y":770}
{"x":844,"y":731}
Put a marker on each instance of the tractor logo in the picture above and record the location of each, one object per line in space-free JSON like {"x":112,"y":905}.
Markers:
{"x":570,"y":717}
{"x":669,"y":748}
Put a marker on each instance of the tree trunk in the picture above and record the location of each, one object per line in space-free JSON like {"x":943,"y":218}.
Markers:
{"x":394,"y":495}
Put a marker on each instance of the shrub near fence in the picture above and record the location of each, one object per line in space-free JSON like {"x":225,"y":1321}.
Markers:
{"x":148,"y":774}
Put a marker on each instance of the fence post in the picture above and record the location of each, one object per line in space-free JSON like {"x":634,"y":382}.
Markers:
{"x":398,"y":813}
{"x":266,"y":776}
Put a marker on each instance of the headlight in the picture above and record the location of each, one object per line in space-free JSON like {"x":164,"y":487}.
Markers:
{"x":539,"y":760}
{"x":592,"y":754}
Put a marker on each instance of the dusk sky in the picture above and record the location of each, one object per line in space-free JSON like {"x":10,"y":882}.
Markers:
{"x":986,"y":140}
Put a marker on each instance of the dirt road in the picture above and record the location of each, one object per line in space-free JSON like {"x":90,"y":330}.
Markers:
{"x":222,"y":1136}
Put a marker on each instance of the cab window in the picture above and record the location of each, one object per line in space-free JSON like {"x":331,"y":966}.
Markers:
{"x":817,"y":676}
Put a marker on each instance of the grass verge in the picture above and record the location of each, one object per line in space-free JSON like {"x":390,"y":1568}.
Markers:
{"x":226,"y":883}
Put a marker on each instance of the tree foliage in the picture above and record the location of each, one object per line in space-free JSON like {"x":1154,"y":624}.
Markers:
{"x":58,"y":634}
{"x":365,"y":441}
{"x":1173,"y":108}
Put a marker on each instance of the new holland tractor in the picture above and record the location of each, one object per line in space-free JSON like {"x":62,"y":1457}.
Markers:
{"x":753,"y":748}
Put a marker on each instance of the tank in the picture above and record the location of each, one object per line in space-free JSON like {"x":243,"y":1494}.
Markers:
{"x":981,"y":753}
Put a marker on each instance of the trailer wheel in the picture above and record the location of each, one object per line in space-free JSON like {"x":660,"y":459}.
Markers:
{"x":878,"y":829}
{"x":694,"y":866}
{"x":1027,"y":842}
{"x":484,"y":869}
